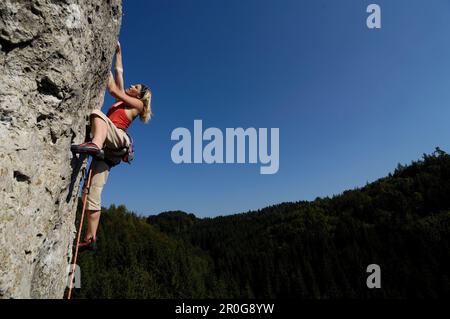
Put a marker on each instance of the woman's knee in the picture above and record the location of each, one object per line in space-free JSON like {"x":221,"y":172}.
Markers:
{"x":97,"y":114}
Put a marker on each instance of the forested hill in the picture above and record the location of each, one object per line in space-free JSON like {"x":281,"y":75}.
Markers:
{"x":317,"y":249}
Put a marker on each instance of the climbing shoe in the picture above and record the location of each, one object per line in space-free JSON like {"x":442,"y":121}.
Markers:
{"x":90,"y":244}
{"x":89,"y":148}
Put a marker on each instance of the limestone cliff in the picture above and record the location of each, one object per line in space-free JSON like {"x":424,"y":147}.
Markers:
{"x":54,"y":61}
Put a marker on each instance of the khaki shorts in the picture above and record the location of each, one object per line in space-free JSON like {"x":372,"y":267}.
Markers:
{"x":115,"y":139}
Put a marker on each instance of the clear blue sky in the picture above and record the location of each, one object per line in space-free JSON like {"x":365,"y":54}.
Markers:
{"x":351,"y":103}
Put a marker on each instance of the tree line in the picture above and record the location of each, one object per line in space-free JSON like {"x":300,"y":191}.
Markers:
{"x":312,"y":250}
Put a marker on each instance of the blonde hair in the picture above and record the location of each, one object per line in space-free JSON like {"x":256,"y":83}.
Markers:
{"x":146,"y":114}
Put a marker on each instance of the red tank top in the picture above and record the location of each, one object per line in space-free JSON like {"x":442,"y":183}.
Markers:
{"x":117,"y":115}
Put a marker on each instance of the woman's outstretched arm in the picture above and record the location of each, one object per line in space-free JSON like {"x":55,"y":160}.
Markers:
{"x":118,"y":68}
{"x":122,"y":96}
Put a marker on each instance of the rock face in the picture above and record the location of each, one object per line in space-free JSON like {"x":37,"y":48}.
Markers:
{"x":54,"y":61}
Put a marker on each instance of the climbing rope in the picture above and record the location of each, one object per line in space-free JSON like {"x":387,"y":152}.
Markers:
{"x":80,"y":227}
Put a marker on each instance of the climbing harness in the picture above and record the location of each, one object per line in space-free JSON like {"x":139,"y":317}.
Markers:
{"x":114,"y":157}
{"x":85,"y":193}
{"x":129,"y":156}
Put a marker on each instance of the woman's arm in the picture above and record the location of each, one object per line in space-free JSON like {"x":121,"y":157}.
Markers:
{"x":114,"y":90}
{"x":118,"y":68}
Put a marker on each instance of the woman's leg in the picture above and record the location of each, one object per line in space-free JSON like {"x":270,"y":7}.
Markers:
{"x":93,"y":220}
{"x":99,"y":130}
{"x":100,"y":133}
{"x":100,"y":172}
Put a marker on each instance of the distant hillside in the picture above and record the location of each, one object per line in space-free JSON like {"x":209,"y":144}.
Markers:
{"x":316,"y":249}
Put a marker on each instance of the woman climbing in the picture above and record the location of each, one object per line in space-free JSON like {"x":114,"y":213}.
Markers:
{"x":110,"y":131}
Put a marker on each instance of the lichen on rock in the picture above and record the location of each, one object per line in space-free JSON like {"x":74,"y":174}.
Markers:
{"x":54,"y":60}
